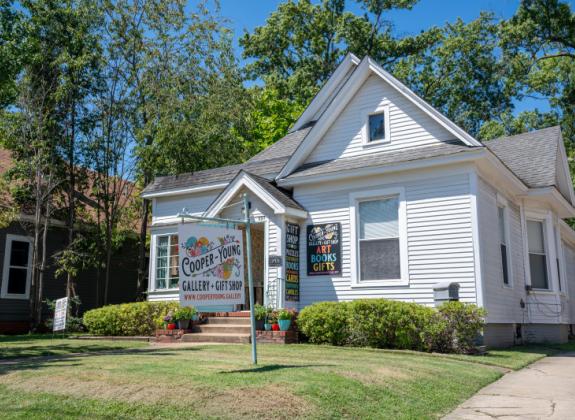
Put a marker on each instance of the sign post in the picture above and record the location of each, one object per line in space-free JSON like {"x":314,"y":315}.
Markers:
{"x":250,"y":279}
{"x":60,"y":315}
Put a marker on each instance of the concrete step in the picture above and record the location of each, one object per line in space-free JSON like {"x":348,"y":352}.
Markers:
{"x":224,"y":328}
{"x":216,"y":338}
{"x":237,"y":320}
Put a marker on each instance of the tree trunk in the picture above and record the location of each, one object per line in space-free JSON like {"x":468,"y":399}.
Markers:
{"x":43,"y":264}
{"x":108,"y":261}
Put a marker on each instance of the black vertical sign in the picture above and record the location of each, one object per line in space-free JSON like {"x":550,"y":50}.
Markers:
{"x":292,"y":262}
{"x":324,"y":249}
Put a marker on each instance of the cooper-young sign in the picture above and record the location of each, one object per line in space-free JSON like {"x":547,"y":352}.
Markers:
{"x":211,"y":265}
{"x":324,"y":249}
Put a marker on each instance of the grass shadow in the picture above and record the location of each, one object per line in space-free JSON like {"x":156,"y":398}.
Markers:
{"x":268,"y":368}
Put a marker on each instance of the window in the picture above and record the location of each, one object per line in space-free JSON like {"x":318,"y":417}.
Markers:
{"x":503,"y":241}
{"x":537,"y":254}
{"x":377,"y":127}
{"x":17,"y":267}
{"x":379,"y":248}
{"x":167,"y":274}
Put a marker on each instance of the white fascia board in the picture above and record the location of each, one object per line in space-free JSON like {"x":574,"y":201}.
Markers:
{"x":565,"y":169}
{"x":187,"y":190}
{"x":470,"y":156}
{"x":567,"y":232}
{"x":326,"y":91}
{"x":494,"y":171}
{"x":553,"y":198}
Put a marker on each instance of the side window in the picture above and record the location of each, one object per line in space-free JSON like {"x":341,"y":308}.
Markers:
{"x":537,"y":254}
{"x":167,"y":262}
{"x":17,"y":271}
{"x":504,"y":244}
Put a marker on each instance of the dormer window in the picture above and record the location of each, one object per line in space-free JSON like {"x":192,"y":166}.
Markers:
{"x":376,"y":126}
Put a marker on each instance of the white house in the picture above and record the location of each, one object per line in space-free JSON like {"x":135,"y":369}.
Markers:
{"x":402,"y":200}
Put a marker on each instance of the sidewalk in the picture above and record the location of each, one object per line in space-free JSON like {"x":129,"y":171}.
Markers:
{"x":543,"y":390}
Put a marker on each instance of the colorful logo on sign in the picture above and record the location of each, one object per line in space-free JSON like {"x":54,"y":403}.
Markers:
{"x":219,"y":258}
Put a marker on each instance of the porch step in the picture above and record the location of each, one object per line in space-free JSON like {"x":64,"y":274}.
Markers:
{"x":205,"y":337}
{"x":235,"y":320}
{"x":223,"y":328}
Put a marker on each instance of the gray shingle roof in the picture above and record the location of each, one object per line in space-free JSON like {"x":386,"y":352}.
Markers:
{"x":531,"y":156}
{"x":280,"y":194}
{"x":379,"y":159}
{"x":268,"y":161}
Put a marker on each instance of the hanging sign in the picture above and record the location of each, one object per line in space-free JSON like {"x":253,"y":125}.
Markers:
{"x":60,"y":314}
{"x":211,"y":265}
{"x":292,"y":263}
{"x":324,"y":249}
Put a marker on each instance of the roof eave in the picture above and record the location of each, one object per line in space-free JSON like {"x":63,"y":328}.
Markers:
{"x":186,"y":190}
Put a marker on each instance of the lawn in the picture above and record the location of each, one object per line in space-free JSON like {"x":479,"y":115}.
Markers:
{"x":104,"y":379}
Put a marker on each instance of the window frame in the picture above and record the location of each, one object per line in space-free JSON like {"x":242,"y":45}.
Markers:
{"x":10,"y":238}
{"x":503,"y":204}
{"x":546,"y":243}
{"x":355,"y":199}
{"x":153,"y":283}
{"x":366,"y":114}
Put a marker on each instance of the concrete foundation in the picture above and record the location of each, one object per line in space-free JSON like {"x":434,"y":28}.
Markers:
{"x":506,"y":335}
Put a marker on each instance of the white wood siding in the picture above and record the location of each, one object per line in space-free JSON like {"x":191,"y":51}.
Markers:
{"x":166,"y":208}
{"x":439,"y":233}
{"x":570,"y":271}
{"x":409,"y":126}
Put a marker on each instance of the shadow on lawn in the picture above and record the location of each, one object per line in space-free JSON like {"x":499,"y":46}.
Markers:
{"x":268,"y":368}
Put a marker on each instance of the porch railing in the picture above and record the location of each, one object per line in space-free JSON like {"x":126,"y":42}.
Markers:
{"x":274,"y":292}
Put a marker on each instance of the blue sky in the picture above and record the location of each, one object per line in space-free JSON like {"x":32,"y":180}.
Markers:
{"x":245,"y":15}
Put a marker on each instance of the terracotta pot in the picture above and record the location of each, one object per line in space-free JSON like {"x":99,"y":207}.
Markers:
{"x":275,"y":327}
{"x":171,"y":326}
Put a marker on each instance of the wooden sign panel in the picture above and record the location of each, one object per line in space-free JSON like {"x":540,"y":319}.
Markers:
{"x":292,"y":263}
{"x":324,"y":249}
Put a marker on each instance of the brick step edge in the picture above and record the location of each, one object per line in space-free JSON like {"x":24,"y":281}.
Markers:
{"x":277,"y":337}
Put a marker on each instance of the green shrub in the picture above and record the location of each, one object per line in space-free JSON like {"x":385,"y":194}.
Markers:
{"x":128,"y":319}
{"x":325,"y":323}
{"x":260,"y":312}
{"x":455,"y":328}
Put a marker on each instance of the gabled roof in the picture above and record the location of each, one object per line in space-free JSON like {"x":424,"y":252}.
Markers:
{"x":278,"y":199}
{"x":268,"y":162}
{"x":536,"y":158}
{"x":337,"y":104}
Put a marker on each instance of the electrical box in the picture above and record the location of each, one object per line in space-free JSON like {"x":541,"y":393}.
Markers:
{"x":445,"y":292}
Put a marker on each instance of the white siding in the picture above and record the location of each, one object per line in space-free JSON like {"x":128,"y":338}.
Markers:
{"x":570,"y":272}
{"x":439,"y":233}
{"x":501,"y":302}
{"x":409,"y":126}
{"x":166,"y":208}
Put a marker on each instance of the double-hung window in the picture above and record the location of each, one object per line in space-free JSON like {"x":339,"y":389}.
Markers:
{"x":380,"y":247}
{"x":17,"y":271}
{"x":167,"y":260}
{"x":503,"y":244}
{"x":537,"y":254}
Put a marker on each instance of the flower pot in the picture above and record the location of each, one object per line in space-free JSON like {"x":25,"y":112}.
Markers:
{"x":284,"y":324}
{"x":184,"y":324}
{"x":259,"y":324}
{"x":195,"y":317}
{"x":267,"y":327}
{"x":275,"y":327}
{"x":171,"y":326}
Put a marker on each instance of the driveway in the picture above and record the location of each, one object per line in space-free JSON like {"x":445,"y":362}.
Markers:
{"x":543,"y":390}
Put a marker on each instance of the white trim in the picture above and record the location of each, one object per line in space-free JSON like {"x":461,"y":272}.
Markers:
{"x":354,"y":200}
{"x":473,"y":194}
{"x":524,"y":241}
{"x":349,"y":62}
{"x":187,"y":190}
{"x":365,"y":68}
{"x":545,"y":219}
{"x":554,"y":198}
{"x":366,"y":113}
{"x":6,"y":269}
{"x":560,"y":255}
{"x":567,"y":232}
{"x":565,"y":168}
{"x":503,"y":204}
{"x":244,"y":180}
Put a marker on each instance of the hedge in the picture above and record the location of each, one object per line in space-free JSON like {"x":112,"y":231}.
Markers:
{"x":128,"y":319}
{"x":382,"y":323}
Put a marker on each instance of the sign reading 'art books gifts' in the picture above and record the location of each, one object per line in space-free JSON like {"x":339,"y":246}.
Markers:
{"x":211,"y":266}
{"x":292,"y":263}
{"x":324,"y":249}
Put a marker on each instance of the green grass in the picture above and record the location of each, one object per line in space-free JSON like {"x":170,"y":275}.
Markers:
{"x":103,"y":379}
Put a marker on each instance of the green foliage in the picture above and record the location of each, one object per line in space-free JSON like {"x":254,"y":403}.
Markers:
{"x":260,"y":312}
{"x":128,"y":319}
{"x":184,"y":313}
{"x":285,"y":314}
{"x":381,"y":323}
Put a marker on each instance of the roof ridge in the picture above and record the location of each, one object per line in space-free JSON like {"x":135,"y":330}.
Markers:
{"x":557,"y":126}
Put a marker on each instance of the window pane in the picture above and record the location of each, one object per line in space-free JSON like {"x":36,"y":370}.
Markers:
{"x":538,"y":265}
{"x":19,"y":254}
{"x":504,"y":264}
{"x":501,"y":214}
{"x":17,"y":281}
{"x":376,"y":127}
{"x":535,"y":237}
{"x":379,"y":219}
{"x":379,"y":259}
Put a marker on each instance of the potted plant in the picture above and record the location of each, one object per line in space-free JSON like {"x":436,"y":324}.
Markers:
{"x":270,"y":319}
{"x":184,"y":315}
{"x":284,"y":319}
{"x":169,"y":321}
{"x":260,"y":314}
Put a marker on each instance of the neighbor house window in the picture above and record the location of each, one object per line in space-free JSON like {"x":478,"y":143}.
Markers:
{"x":167,"y":262}
{"x":378,"y":239}
{"x":503,"y":241}
{"x":537,"y":254}
{"x":17,"y":267}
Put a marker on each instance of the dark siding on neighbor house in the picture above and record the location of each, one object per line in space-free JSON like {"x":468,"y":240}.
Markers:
{"x":122,"y":280}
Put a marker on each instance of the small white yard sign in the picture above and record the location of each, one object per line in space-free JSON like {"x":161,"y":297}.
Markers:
{"x":60,"y":314}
